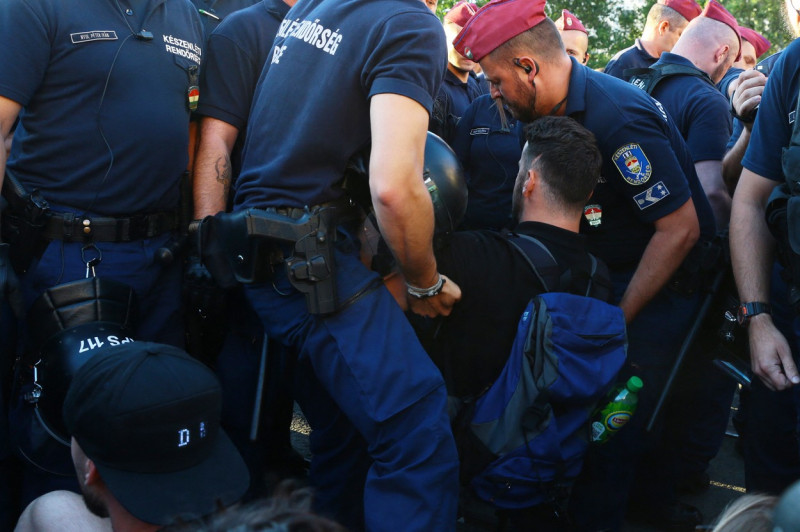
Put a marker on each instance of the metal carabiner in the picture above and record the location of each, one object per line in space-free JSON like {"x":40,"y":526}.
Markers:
{"x":92,"y":262}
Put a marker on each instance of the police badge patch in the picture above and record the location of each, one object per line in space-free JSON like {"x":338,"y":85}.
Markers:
{"x":593,"y":214}
{"x":632,"y":163}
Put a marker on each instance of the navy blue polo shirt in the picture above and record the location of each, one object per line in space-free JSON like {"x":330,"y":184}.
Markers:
{"x":310,"y":113}
{"x":459,"y":94}
{"x":213,"y":12}
{"x":105,"y":119}
{"x":490,"y":156}
{"x":772,"y":130}
{"x":633,"y":57}
{"x":451,"y":102}
{"x":647,"y":171}
{"x":699,"y":110}
{"x":235,"y":55}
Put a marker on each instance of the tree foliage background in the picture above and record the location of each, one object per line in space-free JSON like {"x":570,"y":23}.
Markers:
{"x":615,"y":24}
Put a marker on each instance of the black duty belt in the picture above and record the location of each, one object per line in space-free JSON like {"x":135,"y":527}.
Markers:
{"x":345,"y":210}
{"x":71,"y":228}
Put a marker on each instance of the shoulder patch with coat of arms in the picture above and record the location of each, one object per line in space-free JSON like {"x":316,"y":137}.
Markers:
{"x":632,"y":163}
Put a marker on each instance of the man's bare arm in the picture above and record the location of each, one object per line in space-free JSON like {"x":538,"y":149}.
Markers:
{"x":710,"y":175}
{"x":732,"y":162}
{"x":401,"y":200}
{"x":752,"y":248}
{"x":674,"y":237}
{"x":212,"y":167}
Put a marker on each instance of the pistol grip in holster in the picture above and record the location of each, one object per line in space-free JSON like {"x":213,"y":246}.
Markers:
{"x":244,"y":247}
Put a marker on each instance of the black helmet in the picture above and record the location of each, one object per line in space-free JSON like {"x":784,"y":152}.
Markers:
{"x":444,"y":178}
{"x":67,"y":324}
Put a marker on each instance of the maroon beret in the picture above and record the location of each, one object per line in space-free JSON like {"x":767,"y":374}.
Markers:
{"x":495,"y":23}
{"x":715,"y":11}
{"x":461,"y":12}
{"x":568,"y":21}
{"x":759,"y":42}
{"x":688,"y":9}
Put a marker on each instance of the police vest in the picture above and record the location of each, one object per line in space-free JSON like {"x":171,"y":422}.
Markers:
{"x":648,"y":78}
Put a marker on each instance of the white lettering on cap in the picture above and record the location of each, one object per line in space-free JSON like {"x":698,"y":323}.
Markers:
{"x":183,"y":437}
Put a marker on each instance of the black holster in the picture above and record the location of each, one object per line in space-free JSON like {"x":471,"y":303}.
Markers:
{"x":23,"y":223}
{"x":246,"y":246}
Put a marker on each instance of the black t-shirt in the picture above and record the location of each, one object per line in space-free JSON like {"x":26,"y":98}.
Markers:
{"x":471,"y":346}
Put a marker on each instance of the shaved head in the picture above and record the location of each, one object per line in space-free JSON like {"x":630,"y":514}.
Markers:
{"x":712,"y":46}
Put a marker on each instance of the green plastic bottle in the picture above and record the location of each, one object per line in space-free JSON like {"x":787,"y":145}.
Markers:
{"x":617,"y":412}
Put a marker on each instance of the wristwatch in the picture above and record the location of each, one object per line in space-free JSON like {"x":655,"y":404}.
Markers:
{"x":745,"y":311}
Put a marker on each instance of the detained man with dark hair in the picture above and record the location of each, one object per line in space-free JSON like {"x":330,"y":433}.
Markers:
{"x":646,"y":214}
{"x":559,"y":168}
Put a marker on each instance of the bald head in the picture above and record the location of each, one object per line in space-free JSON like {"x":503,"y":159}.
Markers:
{"x":712,"y":46}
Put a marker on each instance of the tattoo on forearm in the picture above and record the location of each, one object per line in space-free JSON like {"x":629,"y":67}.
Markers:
{"x":223,"y":168}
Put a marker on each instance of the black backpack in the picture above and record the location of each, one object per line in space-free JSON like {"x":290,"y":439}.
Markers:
{"x":648,"y":78}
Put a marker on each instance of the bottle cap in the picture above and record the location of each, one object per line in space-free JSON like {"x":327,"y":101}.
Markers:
{"x":634,"y":384}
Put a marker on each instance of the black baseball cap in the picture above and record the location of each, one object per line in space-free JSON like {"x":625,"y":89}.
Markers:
{"x":148,"y":416}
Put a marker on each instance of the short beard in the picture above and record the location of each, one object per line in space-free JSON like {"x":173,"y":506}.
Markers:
{"x":527,"y":111}
{"x":93,"y":502}
{"x":719,"y":73}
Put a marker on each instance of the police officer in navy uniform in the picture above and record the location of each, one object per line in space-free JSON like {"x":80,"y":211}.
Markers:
{"x":665,"y":22}
{"x":645,"y":216}
{"x":770,"y":447}
{"x":574,"y":35}
{"x":488,"y":142}
{"x":235,"y":55}
{"x":707,"y":48}
{"x":103,"y":94}
{"x":699,"y":407}
{"x":343,"y":75}
{"x":460,"y":86}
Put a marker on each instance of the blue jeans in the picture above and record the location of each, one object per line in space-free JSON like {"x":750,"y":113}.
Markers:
{"x":383,"y":453}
